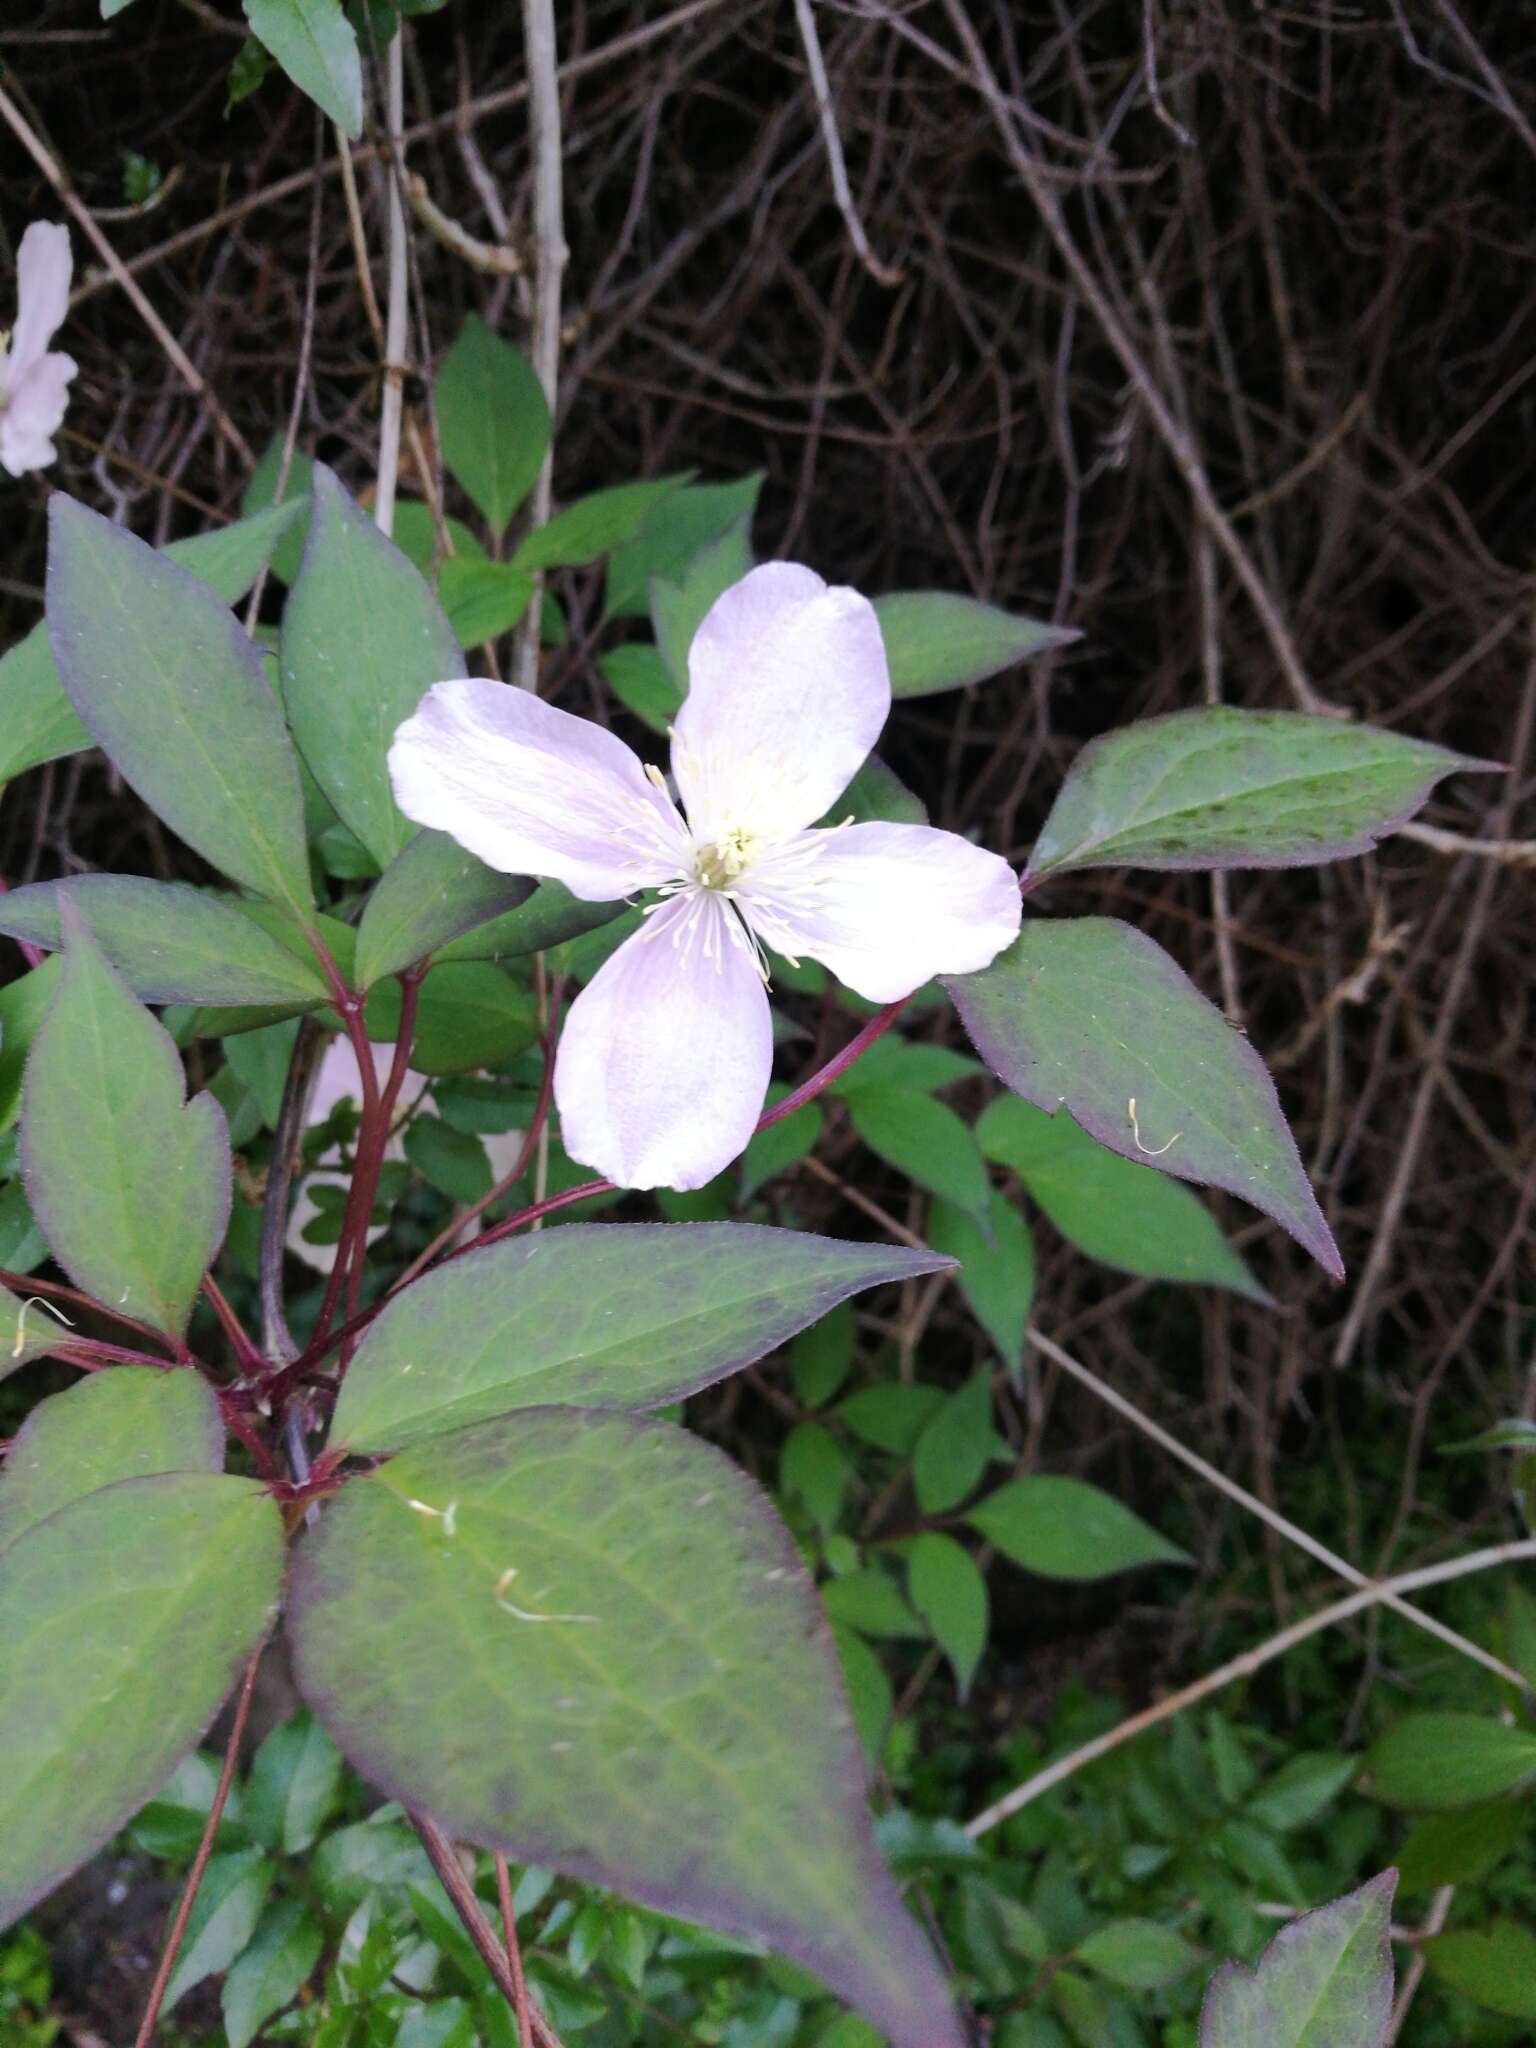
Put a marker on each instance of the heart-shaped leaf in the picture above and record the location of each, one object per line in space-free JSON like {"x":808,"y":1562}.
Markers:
{"x":129,"y":1181}
{"x":125,"y":1618}
{"x":1224,"y":788}
{"x":174,"y":693}
{"x":585,"y":1640}
{"x":625,"y":1315}
{"x":1090,"y":1013}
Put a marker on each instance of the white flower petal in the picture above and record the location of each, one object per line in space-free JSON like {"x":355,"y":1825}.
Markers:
{"x":884,"y":906}
{"x":43,"y":269}
{"x":32,"y":411}
{"x":533,"y":791}
{"x":787,"y":691}
{"x":666,"y":1054}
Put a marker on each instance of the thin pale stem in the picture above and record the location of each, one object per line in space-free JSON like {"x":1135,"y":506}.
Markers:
{"x":397,"y":312}
{"x":1388,"y":1591}
{"x":1075,"y":1369}
{"x":200,"y":1861}
{"x":542,"y":60}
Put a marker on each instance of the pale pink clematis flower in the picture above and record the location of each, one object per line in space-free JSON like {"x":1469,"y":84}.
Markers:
{"x":34,"y":380}
{"x":666,"y":1054}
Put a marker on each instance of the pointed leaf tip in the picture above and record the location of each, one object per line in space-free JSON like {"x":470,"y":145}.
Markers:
{"x":605,"y":1656}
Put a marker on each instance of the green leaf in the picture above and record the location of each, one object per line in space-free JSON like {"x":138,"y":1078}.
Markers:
{"x":1325,"y":1981}
{"x":550,"y":917}
{"x":316,"y":45}
{"x":956,"y":1447}
{"x":593,"y":525}
{"x":671,"y":536}
{"x":1460,"y":1846}
{"x":260,"y":488}
{"x":28,"y":1329}
{"x":997,"y":1279}
{"x":363,"y":641}
{"x":129,"y":1181}
{"x":23,"y":1005}
{"x":453,"y":1162}
{"x":627,"y":1315}
{"x":171,"y":943}
{"x":779,"y":1146}
{"x":897,"y":1062}
{"x":170,"y":1827}
{"x":174,"y":693}
{"x":935,"y":640}
{"x":493,"y":421}
{"x":877,"y":795}
{"x":685,"y":1742}
{"x":869,"y":1690}
{"x":281,"y":1958}
{"x":1139,"y":1955}
{"x":1066,"y":1529}
{"x":678,"y":608}
{"x":1090,"y":1014}
{"x":432,"y":891}
{"x":891,"y":1417}
{"x":814,"y":1468}
{"x":470,"y":1015}
{"x":869,"y":1601}
{"x":950,"y":1594}
{"x":821,"y":1357}
{"x":293,"y":1786}
{"x":483,"y":599}
{"x":1494,"y":1966}
{"x":1223,"y":788}
{"x":1449,"y":1759}
{"x":38,"y":722}
{"x":21,"y":1248}
{"x":927,"y":1142}
{"x":1128,"y":1216}
{"x":1303,"y":1789}
{"x":643,"y":683}
{"x":125,"y":1617}
{"x":223,"y":1919}
{"x":123,"y":1424}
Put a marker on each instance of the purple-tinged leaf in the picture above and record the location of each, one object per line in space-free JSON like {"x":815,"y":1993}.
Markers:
{"x":1325,"y":1981}
{"x":170,"y":942}
{"x":125,"y":1617}
{"x":1089,"y":1013}
{"x":623,"y":1315}
{"x":586,"y":1640}
{"x":128,"y":1423}
{"x":130,"y":1182}
{"x":431,"y":892}
{"x":1223,"y":788}
{"x":173,"y":691}
{"x":364,"y":639}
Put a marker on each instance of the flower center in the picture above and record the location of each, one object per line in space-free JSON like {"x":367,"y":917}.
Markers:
{"x":718,"y":865}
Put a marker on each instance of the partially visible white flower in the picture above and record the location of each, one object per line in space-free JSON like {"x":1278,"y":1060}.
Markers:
{"x":666,"y":1054}
{"x":34,"y":381}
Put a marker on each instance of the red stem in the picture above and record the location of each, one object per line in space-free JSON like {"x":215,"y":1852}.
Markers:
{"x":373,"y":1141}
{"x":514,"y":1953}
{"x":200,"y":1861}
{"x":53,"y":1290}
{"x":248,"y":1357}
{"x":796,"y":1099}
